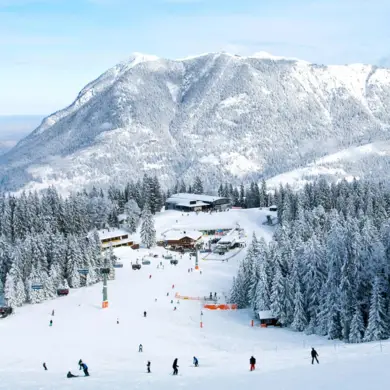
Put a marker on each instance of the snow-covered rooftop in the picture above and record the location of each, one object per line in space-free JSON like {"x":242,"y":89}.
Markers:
{"x":111,"y":233}
{"x":266,"y":315}
{"x":176,"y":235}
{"x":175,"y":198}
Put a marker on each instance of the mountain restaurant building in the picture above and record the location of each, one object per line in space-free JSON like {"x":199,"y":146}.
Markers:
{"x":181,"y":239}
{"x":196,"y":202}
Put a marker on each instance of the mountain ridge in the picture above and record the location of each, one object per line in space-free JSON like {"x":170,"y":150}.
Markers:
{"x":219,"y":115}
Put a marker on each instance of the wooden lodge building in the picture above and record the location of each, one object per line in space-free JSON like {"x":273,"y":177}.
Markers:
{"x":181,"y":239}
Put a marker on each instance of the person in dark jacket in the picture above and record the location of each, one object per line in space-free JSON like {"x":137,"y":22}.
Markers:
{"x":51,"y":323}
{"x":144,"y":313}
{"x":140,"y":348}
{"x":252,"y":362}
{"x":196,"y":361}
{"x":85,"y":369}
{"x":314,"y":355}
{"x":148,"y":367}
{"x":70,"y":375}
{"x":44,"y":366}
{"x":80,"y":364}
{"x":175,"y":367}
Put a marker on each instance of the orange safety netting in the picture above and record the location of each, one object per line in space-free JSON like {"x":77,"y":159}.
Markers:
{"x":232,"y":306}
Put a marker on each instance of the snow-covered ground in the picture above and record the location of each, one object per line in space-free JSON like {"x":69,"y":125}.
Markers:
{"x":82,"y":330}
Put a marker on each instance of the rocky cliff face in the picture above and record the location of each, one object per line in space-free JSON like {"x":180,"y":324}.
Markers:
{"x":220,"y":116}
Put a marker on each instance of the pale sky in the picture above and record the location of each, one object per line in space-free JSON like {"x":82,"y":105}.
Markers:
{"x":49,"y":49}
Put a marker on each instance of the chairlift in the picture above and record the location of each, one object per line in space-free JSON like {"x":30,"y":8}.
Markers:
{"x":83,"y":271}
{"x":37,"y":286}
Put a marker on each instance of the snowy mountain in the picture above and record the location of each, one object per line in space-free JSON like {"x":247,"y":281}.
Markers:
{"x":220,"y":116}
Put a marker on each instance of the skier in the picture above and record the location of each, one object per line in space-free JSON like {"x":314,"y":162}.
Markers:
{"x":252,"y":362}
{"x":44,"y":366}
{"x":117,"y":320}
{"x":175,"y":367}
{"x":148,"y":367}
{"x":173,"y":286}
{"x":174,"y":309}
{"x":140,"y":348}
{"x":150,"y":276}
{"x":211,"y":296}
{"x":51,"y":323}
{"x":85,"y":369}
{"x":52,"y":313}
{"x":196,"y":362}
{"x":144,"y":313}
{"x":167,"y":294}
{"x":70,"y":375}
{"x":314,"y":355}
{"x":80,"y":364}
{"x":200,"y":272}
{"x":215,"y":295}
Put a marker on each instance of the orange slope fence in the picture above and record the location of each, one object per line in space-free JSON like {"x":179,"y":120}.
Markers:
{"x":226,"y":306}
{"x":178,"y":296}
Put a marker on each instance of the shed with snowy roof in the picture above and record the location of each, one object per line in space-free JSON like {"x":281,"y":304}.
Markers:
{"x":267,"y":318}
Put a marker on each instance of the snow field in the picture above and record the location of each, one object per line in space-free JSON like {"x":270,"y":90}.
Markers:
{"x":81,"y":329}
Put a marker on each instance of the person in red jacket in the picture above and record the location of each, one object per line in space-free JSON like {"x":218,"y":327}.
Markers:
{"x":252,"y":362}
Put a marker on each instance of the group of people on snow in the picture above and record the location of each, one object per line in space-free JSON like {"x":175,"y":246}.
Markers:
{"x":82,"y":366}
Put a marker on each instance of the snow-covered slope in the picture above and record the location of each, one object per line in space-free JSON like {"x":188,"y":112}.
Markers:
{"x":81,"y":329}
{"x":371,"y":161}
{"x":221,"y":116}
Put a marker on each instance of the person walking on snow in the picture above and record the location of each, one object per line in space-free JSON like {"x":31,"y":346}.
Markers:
{"x":80,"y":364}
{"x":148,"y":367}
{"x":196,"y":362}
{"x":150,"y":276}
{"x":175,"y":367}
{"x":314,"y":355}
{"x":144,"y":313}
{"x":52,"y":313}
{"x":51,"y":323}
{"x":44,"y":366}
{"x":140,"y":348}
{"x":252,"y":362}
{"x":85,"y":369}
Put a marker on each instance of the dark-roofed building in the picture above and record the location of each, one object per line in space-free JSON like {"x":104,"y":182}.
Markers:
{"x":195,"y":202}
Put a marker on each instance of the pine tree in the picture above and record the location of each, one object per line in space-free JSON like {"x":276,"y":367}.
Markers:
{"x":357,"y":326}
{"x":300,"y":321}
{"x":278,"y":294}
{"x":197,"y":188}
{"x":377,"y":328}
{"x":148,"y":231}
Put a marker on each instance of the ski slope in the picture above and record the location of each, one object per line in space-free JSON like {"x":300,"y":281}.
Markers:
{"x":81,"y":329}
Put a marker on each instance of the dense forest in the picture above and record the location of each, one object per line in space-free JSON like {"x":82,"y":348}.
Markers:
{"x":327,"y":270}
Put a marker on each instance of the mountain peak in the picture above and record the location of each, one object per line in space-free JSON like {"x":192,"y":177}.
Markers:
{"x":137,"y":58}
